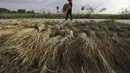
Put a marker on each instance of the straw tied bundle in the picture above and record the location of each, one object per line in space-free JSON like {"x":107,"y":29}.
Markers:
{"x":65,"y":8}
{"x":65,"y":53}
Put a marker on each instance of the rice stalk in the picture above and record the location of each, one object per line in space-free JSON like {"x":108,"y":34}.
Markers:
{"x":29,"y":42}
{"x":56,"y":52}
{"x":18,"y":36}
{"x":35,"y":45}
{"x":72,"y":48}
{"x":94,"y":55}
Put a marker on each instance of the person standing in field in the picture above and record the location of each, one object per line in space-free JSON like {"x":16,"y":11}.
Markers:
{"x":69,"y":10}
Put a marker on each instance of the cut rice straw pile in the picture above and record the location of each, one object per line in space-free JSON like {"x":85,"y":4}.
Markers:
{"x":71,"y":49}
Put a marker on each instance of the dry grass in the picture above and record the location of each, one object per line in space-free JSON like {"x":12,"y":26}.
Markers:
{"x":87,"y":47}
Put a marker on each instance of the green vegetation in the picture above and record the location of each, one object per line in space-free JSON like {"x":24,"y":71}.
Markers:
{"x":4,"y":10}
{"x":59,"y":16}
{"x":30,"y":46}
{"x":7,"y":11}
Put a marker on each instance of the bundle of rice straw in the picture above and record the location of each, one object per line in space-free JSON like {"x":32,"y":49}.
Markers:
{"x":65,"y":8}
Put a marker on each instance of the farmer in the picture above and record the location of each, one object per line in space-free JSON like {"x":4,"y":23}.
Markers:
{"x":69,"y":10}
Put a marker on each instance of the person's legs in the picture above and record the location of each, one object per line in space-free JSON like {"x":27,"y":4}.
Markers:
{"x":71,"y":14}
{"x":67,"y":14}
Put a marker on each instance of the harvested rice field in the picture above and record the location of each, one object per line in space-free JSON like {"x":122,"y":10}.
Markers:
{"x":33,"y":46}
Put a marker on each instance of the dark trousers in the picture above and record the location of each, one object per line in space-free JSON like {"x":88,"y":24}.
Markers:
{"x":69,"y":13}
